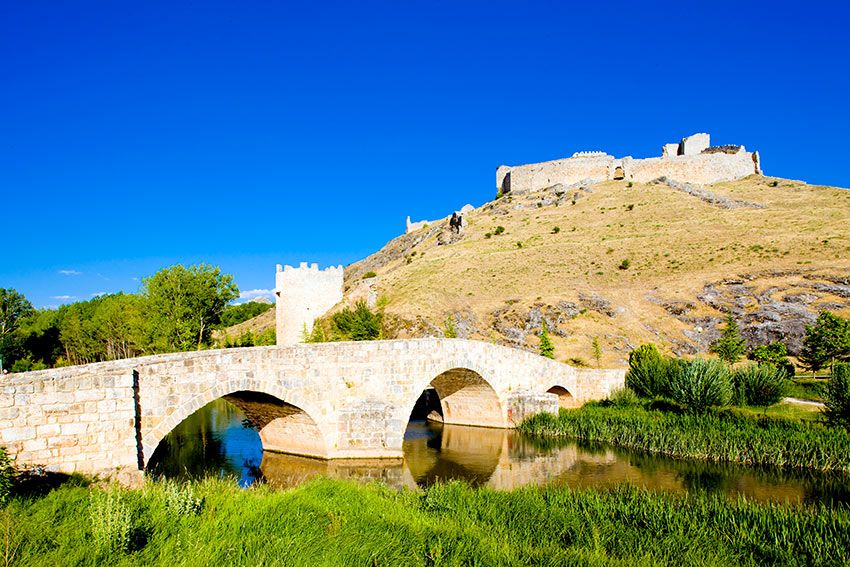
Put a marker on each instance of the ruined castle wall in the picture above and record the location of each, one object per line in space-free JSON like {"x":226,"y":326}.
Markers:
{"x":304,"y":294}
{"x":536,"y":176}
{"x":702,"y":168}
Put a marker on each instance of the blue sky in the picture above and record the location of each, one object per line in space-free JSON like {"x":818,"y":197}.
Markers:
{"x":138,"y":135}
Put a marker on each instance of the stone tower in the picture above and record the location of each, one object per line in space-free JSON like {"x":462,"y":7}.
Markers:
{"x":302,"y":294}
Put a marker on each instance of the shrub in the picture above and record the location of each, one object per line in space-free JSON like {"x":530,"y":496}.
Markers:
{"x":499,"y":230}
{"x":556,"y":230}
{"x":759,"y":384}
{"x":7,"y":475}
{"x":700,"y":385}
{"x":836,"y":398}
{"x":647,"y":375}
{"x":370,"y":274}
{"x":180,"y":499}
{"x":111,"y":522}
{"x":450,"y":330}
{"x":623,"y":398}
{"x":519,"y":244}
{"x":624,"y":265}
{"x":358,"y":324}
{"x":547,"y":349}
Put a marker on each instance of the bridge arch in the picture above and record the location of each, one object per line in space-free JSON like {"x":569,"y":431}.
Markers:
{"x":284,"y":419}
{"x":565,"y":397}
{"x":466,"y":398}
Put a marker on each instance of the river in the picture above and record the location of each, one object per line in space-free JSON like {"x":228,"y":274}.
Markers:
{"x":218,"y":440}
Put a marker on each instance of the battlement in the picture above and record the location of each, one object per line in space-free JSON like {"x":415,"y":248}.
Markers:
{"x":301,"y":295}
{"x":691,"y":160}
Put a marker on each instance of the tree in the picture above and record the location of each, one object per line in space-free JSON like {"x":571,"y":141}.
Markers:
{"x":14,"y":307}
{"x":774,"y":354}
{"x":826,"y":342}
{"x":597,"y":350}
{"x":837,"y":396}
{"x":183,"y":304}
{"x":730,"y":347}
{"x":547,"y":349}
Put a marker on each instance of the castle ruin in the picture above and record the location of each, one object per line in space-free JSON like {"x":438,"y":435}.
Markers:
{"x":303,"y":294}
{"x":692,"y":160}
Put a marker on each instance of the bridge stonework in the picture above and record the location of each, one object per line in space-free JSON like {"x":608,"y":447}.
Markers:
{"x":329,"y":400}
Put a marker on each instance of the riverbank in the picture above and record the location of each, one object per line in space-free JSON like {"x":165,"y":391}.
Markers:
{"x":723,"y":437}
{"x":329,"y":522}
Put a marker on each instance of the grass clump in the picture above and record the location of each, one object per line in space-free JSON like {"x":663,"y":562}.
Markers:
{"x":722,"y":436}
{"x":7,"y":475}
{"x":111,"y":522}
{"x":760,"y":384}
{"x":701,"y":384}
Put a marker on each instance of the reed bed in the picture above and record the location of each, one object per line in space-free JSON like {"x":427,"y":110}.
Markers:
{"x":723,"y":436}
{"x":332,"y":522}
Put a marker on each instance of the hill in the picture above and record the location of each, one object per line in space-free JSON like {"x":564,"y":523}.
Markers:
{"x":657,"y":262}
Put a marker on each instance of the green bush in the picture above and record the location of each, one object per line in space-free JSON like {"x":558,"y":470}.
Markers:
{"x":370,"y":274}
{"x":623,"y":398}
{"x":836,"y":397}
{"x":759,"y":384}
{"x":702,"y":384}
{"x":358,"y":324}
{"x":648,"y":369}
{"x":7,"y":475}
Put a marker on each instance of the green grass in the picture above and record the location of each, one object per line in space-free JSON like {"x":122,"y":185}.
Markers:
{"x":726,"y":437}
{"x":331,"y":522}
{"x":807,"y":389}
{"x":790,"y":411}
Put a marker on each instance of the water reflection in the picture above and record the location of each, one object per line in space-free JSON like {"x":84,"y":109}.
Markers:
{"x":214,"y":440}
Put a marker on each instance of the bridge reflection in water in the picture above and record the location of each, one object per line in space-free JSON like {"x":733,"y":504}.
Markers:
{"x":219,"y":440}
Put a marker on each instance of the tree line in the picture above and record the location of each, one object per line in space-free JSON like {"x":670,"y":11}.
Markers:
{"x":176,"y":309}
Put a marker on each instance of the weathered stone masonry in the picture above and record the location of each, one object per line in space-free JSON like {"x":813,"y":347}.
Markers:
{"x":692,"y":160}
{"x":330,"y":400}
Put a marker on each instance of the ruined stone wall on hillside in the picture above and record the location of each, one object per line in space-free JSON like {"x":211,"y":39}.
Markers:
{"x":692,"y":160}
{"x":302,"y":295}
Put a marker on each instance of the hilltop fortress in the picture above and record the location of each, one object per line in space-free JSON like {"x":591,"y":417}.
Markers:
{"x":692,"y":160}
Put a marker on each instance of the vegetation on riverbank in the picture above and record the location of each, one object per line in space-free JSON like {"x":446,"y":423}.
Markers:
{"x":328,"y":522}
{"x":724,"y":436}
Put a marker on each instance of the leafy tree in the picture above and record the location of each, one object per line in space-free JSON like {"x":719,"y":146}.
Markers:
{"x":730,"y":347}
{"x":826,"y":342}
{"x":14,"y":307}
{"x":774,"y":354}
{"x":184,"y":304}
{"x":235,"y":314}
{"x":836,"y":397}
{"x":119,"y":326}
{"x":358,"y":324}
{"x":648,"y":372}
{"x":547,"y":349}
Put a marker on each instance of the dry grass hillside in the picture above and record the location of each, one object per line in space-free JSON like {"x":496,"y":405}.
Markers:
{"x":626,"y":265}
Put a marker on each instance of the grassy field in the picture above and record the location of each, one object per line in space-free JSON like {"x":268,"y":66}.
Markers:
{"x":338,"y":523}
{"x":731,"y":436}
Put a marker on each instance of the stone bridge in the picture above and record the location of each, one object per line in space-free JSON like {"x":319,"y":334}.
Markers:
{"x":330,"y":400}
